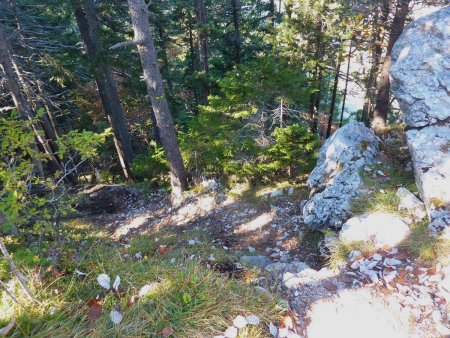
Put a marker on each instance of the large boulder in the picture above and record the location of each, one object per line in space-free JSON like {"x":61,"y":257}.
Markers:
{"x":420,"y":75}
{"x":420,"y":70}
{"x":379,"y":228}
{"x":430,"y":150}
{"x":336,"y":179}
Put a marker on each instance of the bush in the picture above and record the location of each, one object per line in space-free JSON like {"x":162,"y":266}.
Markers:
{"x":152,"y":166}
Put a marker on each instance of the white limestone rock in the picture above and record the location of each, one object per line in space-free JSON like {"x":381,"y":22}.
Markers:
{"x":379,"y":228}
{"x":336,"y":176}
{"x":440,"y":227}
{"x":430,"y":151}
{"x":420,"y":70}
{"x":410,"y":204}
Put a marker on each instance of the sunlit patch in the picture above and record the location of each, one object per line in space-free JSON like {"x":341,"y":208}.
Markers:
{"x":256,"y":223}
{"x":404,"y":53}
{"x":136,"y":223}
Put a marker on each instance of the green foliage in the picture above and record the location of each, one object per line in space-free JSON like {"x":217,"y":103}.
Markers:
{"x":294,"y":150}
{"x":151,"y":166}
{"x":20,"y":178}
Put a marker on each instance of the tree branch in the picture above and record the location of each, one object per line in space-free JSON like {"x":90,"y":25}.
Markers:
{"x":126,"y":44}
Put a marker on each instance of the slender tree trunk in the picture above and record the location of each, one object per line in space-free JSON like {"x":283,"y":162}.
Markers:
{"x":21,"y":104}
{"x":90,"y":32}
{"x":383,"y":96}
{"x":333,"y":96}
{"x":154,"y":82}
{"x":16,"y":272}
{"x":272,"y":15}
{"x":203,"y":47}
{"x":237,"y":33}
{"x":349,"y":57}
{"x":166,"y":67}
{"x":193,"y":66}
{"x":378,"y":26}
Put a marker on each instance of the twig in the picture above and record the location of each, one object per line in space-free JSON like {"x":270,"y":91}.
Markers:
{"x":126,"y":44}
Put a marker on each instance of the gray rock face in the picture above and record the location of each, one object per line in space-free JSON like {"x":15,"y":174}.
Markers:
{"x":336,"y":175}
{"x":420,"y":74}
{"x":440,"y":227}
{"x":410,"y":204}
{"x":430,"y":150}
{"x":381,"y":229}
{"x":420,"y":70}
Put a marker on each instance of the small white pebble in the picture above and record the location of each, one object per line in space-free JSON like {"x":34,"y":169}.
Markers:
{"x":240,"y":322}
{"x":231,"y":332}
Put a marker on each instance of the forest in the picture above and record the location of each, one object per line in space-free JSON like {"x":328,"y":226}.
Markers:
{"x":112,"y":107}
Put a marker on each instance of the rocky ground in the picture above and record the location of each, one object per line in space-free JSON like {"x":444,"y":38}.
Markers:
{"x":384,"y":294}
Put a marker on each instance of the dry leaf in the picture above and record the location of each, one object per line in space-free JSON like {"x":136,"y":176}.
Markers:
{"x":287,"y":320}
{"x":132,"y":300}
{"x":330,"y":286}
{"x":163,"y":249}
{"x":95,"y":310}
{"x":104,"y":281}
{"x":116,"y":316}
{"x":116,"y":283}
{"x":167,"y":331}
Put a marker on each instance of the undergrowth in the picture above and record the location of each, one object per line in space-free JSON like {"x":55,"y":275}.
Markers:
{"x":191,"y":298}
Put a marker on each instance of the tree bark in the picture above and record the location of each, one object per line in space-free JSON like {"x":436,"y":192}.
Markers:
{"x":333,"y":96}
{"x":383,"y":96}
{"x":90,"y":32}
{"x":349,"y":57}
{"x":154,"y":82}
{"x":378,"y":38}
{"x":272,"y":15}
{"x":237,"y":33}
{"x":203,"y":47}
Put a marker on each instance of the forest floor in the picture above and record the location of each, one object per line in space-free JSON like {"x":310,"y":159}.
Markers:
{"x":266,"y":244}
{"x":198,"y":269}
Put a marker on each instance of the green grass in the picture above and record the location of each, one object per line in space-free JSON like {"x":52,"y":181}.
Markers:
{"x":340,"y":251}
{"x":426,"y":248}
{"x":383,"y":197}
{"x":192,"y":299}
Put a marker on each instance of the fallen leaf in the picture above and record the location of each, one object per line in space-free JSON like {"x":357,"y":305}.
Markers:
{"x":116,"y":316}
{"x":116,"y":283}
{"x":287,"y":320}
{"x":132,"y":300}
{"x":95,"y":310}
{"x":104,"y":281}
{"x":330,"y":286}
{"x":273,"y":329}
{"x":163,"y":249}
{"x":167,"y":331}
{"x":252,"y":320}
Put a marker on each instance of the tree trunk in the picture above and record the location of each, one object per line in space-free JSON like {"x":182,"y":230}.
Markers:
{"x":20,"y":277}
{"x":237,"y":33}
{"x":346,"y":83}
{"x":378,"y":26}
{"x":202,"y":47}
{"x":272,"y":15}
{"x":193,"y":66}
{"x":333,"y":96}
{"x":21,"y":104}
{"x":383,"y":96}
{"x":90,"y":32}
{"x":154,"y":82}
